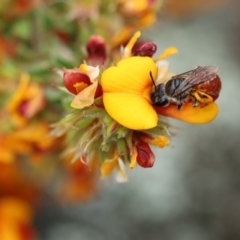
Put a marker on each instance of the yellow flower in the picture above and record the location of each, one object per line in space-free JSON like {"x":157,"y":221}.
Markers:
{"x":26,"y":102}
{"x":10,"y":146}
{"x":139,"y":13}
{"x":31,"y":139}
{"x":126,"y":92}
{"x":15,"y":220}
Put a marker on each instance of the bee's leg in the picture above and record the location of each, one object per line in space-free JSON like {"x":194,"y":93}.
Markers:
{"x":195,"y":102}
{"x":179,"y":105}
{"x":178,"y":101}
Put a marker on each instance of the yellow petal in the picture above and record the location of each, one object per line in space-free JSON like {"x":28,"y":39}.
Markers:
{"x":108,"y":166}
{"x":126,"y":92}
{"x":20,"y":92}
{"x":134,"y":6}
{"x":131,"y":75}
{"x":190,"y":114}
{"x":86,"y":97}
{"x":133,"y":158}
{"x":128,"y":49}
{"x":160,"y":141}
{"x":83,"y":68}
{"x":167,"y":53}
{"x":36,"y":100}
{"x":131,"y":111}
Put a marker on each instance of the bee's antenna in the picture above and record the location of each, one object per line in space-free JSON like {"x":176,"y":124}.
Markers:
{"x":152,"y":80}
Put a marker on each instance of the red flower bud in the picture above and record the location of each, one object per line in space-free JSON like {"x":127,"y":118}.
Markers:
{"x":146,"y":49}
{"x":96,"y":48}
{"x":98,"y":92}
{"x":72,"y":77}
{"x":145,"y":157}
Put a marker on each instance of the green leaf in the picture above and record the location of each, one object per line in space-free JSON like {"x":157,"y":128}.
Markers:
{"x":84,"y":123}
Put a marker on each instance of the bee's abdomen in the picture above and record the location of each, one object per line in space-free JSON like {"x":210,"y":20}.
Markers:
{"x":212,"y":87}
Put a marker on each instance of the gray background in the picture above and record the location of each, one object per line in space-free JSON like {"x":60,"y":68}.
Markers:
{"x":193,"y":190}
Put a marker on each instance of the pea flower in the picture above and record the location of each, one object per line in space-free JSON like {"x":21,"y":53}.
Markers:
{"x":119,"y":126}
{"x":26,"y":102}
{"x":82,"y":82}
{"x":16,"y":217}
{"x":135,"y":15}
{"x":31,"y":140}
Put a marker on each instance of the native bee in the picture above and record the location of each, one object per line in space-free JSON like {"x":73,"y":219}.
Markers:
{"x":200,"y":86}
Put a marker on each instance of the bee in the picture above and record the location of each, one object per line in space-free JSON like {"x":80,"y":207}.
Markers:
{"x":199,"y":86}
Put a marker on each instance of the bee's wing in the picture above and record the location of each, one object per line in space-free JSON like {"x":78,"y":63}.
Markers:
{"x":195,"y":77}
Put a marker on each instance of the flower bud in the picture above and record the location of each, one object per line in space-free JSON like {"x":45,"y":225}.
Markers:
{"x":72,"y":78}
{"x":144,"y":49}
{"x":96,"y":48}
{"x":145,"y":156}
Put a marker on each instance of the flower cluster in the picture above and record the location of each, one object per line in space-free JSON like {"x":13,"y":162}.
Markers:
{"x":103,"y":120}
{"x":115,"y":121}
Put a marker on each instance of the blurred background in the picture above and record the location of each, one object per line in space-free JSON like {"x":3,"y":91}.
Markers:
{"x":193,"y":190}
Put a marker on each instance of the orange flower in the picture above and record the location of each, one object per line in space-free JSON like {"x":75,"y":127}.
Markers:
{"x":140,"y":12}
{"x":27,"y":101}
{"x":32,"y":139}
{"x":16,"y":220}
{"x":136,"y":14}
